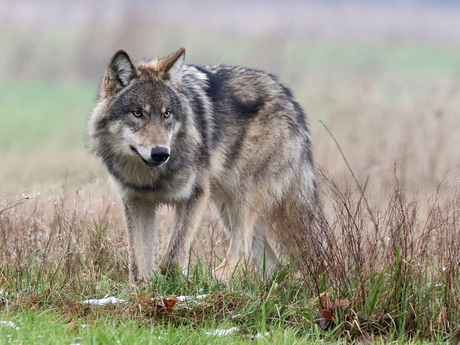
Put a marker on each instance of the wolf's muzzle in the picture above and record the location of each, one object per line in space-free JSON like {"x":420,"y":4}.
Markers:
{"x":159,"y":155}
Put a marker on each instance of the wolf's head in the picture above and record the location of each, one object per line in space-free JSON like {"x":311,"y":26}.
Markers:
{"x":139,"y":109}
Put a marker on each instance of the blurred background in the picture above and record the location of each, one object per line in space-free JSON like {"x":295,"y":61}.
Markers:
{"x":384,"y":76}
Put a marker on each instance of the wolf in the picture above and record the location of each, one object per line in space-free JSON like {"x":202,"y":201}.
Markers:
{"x":190,"y":136}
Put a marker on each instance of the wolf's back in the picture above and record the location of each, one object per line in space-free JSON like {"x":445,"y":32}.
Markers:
{"x":257,"y":139}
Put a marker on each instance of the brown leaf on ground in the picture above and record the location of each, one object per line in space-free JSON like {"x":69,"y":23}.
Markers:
{"x":327,"y":309}
{"x":170,"y":302}
{"x":166,"y":304}
{"x":333,"y":304}
{"x":324,"y":319}
{"x":325,"y":303}
{"x":75,"y":310}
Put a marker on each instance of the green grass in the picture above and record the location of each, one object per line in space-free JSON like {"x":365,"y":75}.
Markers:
{"x":51,"y":328}
{"x":47,"y":306}
{"x":275,"y":311}
{"x":38,"y":114}
{"x":42,"y":134}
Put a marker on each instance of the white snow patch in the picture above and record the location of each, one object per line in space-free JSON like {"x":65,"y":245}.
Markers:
{"x":258,"y":335}
{"x":104,"y":301}
{"x":9,"y":324}
{"x":222,"y":332}
{"x":191,"y":298}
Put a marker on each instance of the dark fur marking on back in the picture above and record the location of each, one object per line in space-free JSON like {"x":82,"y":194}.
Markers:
{"x":236,"y":113}
{"x":214,"y":92}
{"x":203,"y":124}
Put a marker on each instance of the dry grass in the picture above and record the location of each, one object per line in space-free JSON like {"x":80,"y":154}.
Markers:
{"x":396,"y":265}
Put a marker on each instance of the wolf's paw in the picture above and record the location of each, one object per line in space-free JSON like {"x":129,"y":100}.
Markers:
{"x":169,"y":267}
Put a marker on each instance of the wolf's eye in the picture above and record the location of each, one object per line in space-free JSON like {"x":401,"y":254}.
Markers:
{"x":167,"y":113}
{"x":137,"y":113}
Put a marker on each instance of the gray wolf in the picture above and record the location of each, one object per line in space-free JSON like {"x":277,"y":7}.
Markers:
{"x":193,"y":135}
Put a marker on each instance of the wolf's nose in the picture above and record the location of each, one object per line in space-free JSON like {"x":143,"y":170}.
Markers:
{"x":160,"y":154}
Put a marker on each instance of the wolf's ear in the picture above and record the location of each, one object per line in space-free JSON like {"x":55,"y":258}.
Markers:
{"x":120,"y":72}
{"x":172,"y":67}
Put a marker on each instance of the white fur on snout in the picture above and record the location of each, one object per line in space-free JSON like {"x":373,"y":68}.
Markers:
{"x":144,"y":152}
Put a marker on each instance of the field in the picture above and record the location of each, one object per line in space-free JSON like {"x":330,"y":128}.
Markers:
{"x":383,"y":265}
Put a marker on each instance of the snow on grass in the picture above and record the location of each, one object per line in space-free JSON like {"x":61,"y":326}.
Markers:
{"x":113,"y":300}
{"x":222,"y":332}
{"x":259,"y":335}
{"x":190,"y":298}
{"x":9,"y":324}
{"x":104,"y":301}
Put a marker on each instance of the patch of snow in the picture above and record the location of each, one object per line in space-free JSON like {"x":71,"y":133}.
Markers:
{"x":190,"y":298}
{"x":258,"y":335}
{"x":9,"y":324}
{"x":104,"y":301}
{"x":222,"y":332}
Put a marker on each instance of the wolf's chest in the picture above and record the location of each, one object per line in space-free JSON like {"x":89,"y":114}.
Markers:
{"x":162,"y":186}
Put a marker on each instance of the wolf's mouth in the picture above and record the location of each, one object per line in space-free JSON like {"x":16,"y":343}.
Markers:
{"x":151,"y":163}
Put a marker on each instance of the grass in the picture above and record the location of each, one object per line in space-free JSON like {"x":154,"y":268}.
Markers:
{"x":396,"y":278}
{"x":42,"y":134}
{"x":37,"y":328}
{"x":43,"y":112}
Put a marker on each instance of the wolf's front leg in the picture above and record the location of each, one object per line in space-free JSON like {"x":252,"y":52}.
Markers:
{"x":187,"y":220}
{"x":142,"y":237}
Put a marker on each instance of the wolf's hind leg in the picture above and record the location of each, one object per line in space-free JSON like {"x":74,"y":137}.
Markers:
{"x":240,"y":224}
{"x":142,"y":238}
{"x":263,"y":255}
